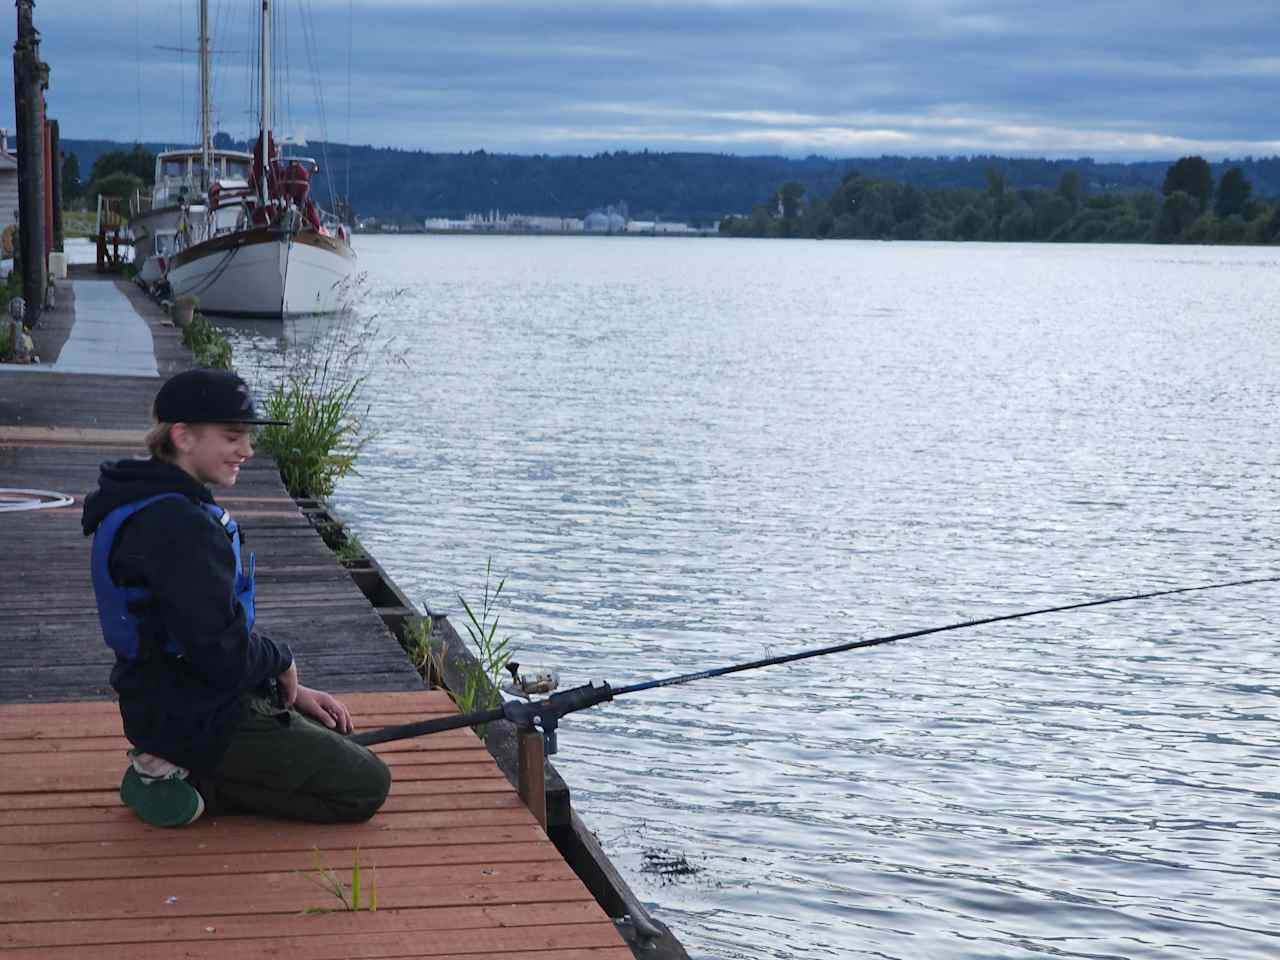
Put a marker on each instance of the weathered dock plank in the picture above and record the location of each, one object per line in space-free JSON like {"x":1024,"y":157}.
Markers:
{"x":461,"y":868}
{"x":48,"y":624}
{"x":248,"y":926}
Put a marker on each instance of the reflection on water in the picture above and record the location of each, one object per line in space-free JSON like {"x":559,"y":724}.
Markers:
{"x":263,"y":346}
{"x":686,"y":453}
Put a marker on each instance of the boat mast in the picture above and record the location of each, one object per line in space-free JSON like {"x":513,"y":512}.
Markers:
{"x":265,"y":59}
{"x":206,"y":144}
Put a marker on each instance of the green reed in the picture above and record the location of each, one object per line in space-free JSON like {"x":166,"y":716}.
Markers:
{"x":347,"y":895}
{"x":207,"y":343}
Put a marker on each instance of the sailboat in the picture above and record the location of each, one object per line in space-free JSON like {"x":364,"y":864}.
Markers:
{"x":182,"y":180}
{"x":281,"y":255}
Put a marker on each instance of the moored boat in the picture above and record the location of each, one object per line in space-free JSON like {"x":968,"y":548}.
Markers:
{"x":180,"y":187}
{"x":266,"y":273}
{"x":262,"y":248}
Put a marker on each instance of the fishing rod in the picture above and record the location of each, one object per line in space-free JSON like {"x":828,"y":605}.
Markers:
{"x":545,"y":714}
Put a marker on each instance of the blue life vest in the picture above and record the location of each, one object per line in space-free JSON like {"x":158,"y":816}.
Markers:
{"x":116,"y":604}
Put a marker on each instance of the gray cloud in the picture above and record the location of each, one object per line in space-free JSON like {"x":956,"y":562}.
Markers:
{"x":1137,"y":79}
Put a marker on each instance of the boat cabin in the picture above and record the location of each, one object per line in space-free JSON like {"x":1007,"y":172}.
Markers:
{"x":179,"y":172}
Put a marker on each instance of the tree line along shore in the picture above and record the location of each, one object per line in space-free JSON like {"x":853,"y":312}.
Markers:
{"x":1191,"y":207}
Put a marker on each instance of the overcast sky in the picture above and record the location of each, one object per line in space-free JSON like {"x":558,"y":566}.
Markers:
{"x":1122,"y":78}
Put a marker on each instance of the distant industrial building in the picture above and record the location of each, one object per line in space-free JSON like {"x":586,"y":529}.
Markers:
{"x":605,"y":221}
{"x":494,"y":221}
{"x":612,"y":219}
{"x":660,"y":228}
{"x":547,"y":224}
{"x":433,"y":224}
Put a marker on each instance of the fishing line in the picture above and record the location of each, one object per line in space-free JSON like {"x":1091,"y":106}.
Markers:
{"x":545,"y":713}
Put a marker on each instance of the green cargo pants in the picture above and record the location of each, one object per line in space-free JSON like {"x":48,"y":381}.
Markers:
{"x":285,"y":765}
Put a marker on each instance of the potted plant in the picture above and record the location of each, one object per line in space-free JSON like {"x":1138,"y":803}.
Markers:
{"x":184,"y":309}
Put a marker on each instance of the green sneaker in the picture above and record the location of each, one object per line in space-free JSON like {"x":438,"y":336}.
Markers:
{"x":161,"y":802}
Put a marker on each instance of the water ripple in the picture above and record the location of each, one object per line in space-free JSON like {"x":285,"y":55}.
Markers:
{"x":689,"y":453}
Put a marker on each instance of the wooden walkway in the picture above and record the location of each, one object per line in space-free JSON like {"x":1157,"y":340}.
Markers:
{"x":52,"y":643}
{"x":462,"y":867}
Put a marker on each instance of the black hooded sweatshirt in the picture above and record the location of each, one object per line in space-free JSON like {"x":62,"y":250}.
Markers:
{"x":185,"y":707}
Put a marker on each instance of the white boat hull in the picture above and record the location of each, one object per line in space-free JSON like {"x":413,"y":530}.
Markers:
{"x":146,"y":226}
{"x":266,"y":274}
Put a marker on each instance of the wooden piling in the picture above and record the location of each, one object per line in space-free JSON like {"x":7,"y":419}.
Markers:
{"x":30,"y":77}
{"x":533,"y":781}
{"x":46,"y":187}
{"x":55,"y":183}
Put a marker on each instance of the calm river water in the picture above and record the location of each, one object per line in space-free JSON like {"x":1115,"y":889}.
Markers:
{"x":683,"y":453}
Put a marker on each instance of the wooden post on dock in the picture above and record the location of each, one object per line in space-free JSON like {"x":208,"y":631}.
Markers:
{"x":30,"y":77}
{"x":532,"y":774}
{"x":46,"y":185}
{"x":55,"y":183}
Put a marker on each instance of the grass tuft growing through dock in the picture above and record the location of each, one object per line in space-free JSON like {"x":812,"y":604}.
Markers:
{"x":480,"y":690}
{"x":348,"y":896}
{"x":481,"y":668}
{"x":207,"y":343}
{"x":318,"y":391}
{"x":350,"y":550}
{"x":320,"y":445}
{"x":417,"y":643}
{"x":492,"y":651}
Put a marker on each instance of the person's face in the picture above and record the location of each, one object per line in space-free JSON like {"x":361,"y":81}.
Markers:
{"x":212,"y":452}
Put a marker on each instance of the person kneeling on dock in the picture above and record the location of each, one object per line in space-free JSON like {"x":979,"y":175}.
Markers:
{"x":218,"y":720}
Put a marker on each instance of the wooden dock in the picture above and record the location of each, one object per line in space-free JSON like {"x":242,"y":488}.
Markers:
{"x":462,"y":868}
{"x":49,"y":620}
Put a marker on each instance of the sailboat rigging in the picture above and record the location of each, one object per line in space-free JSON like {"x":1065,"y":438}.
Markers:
{"x":260,"y":247}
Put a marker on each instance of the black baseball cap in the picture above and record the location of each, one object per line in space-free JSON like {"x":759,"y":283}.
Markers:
{"x":208,"y":396}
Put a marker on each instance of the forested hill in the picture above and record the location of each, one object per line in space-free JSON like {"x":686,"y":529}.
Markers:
{"x":407,"y":185}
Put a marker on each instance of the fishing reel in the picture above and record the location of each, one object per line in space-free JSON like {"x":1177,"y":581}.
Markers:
{"x":544,"y":715}
{"x":531,"y":681}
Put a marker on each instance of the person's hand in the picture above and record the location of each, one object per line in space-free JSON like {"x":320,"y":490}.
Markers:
{"x":288,"y":682}
{"x":326,"y":708}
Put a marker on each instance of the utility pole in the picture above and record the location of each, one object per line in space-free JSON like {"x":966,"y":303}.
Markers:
{"x":30,"y":79}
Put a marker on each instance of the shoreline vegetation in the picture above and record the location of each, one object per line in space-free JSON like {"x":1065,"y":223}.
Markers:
{"x":1190,"y":208}
{"x":403,"y":187}
{"x":1019,"y":202}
